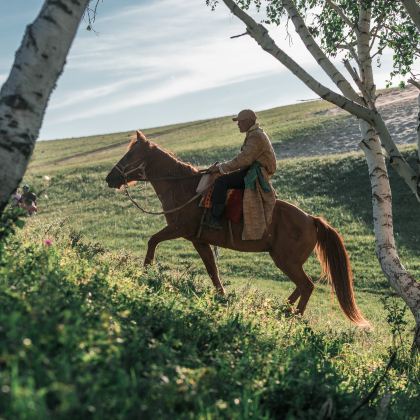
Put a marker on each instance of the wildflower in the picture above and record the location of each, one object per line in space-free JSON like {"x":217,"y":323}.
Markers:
{"x":27,"y":342}
{"x":48,"y":242}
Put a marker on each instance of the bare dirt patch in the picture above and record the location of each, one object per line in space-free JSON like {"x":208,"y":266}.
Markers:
{"x":398,"y":107}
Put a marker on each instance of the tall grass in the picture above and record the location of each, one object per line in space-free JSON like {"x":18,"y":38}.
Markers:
{"x":85,"y":333}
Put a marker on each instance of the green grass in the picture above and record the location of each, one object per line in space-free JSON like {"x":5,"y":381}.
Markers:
{"x":88,"y":334}
{"x":199,"y":142}
{"x":84,"y":217}
{"x":334,"y":187}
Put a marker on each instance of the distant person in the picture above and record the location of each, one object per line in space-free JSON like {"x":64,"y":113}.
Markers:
{"x":255,"y":164}
{"x":16,"y":198}
{"x":28,"y":200}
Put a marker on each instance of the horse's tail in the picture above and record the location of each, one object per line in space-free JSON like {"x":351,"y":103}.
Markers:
{"x":335,"y":264}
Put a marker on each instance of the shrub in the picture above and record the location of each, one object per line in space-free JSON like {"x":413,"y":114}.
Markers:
{"x":86,"y":334}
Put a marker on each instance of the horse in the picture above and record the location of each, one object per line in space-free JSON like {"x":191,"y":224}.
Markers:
{"x":290,"y":238}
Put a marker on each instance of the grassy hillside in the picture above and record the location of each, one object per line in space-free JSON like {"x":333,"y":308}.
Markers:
{"x":335,"y":187}
{"x":92,"y":226}
{"x":87,"y":334}
{"x":199,"y":142}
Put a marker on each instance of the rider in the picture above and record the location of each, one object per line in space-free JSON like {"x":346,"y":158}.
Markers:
{"x":256,"y":152}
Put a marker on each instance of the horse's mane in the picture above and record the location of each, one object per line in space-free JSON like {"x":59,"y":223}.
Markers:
{"x":164,"y":156}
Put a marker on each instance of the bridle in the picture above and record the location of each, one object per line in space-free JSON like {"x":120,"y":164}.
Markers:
{"x":142,"y":166}
{"x":122,"y":169}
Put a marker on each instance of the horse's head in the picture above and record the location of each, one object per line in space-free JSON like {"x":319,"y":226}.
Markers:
{"x":132,"y":166}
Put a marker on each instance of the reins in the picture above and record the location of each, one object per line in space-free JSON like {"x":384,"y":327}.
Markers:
{"x":172,"y":178}
{"x":159,"y":212}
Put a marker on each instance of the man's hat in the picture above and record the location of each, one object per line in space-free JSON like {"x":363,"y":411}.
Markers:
{"x":245,"y":114}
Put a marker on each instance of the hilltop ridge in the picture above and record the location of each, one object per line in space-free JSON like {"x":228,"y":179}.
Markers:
{"x":314,"y":128}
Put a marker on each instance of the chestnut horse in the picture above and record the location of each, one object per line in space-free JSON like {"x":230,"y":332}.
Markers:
{"x":290,"y":238}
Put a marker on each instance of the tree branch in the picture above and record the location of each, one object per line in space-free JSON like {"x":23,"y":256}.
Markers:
{"x":238,"y":36}
{"x":341,"y":13}
{"x":353,"y":73}
{"x":91,"y":14}
{"x":363,"y":52}
{"x":376,"y":29}
{"x":414,"y":83}
{"x":352,"y":51}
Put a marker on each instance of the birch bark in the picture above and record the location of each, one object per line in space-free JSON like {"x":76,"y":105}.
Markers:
{"x":400,"y":280}
{"x":418,"y":145}
{"x":24,"y":96}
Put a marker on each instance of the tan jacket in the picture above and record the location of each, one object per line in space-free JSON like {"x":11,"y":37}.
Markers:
{"x":257,"y":146}
{"x":258,"y":205}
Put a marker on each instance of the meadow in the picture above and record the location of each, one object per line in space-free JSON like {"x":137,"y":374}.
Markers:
{"x":87,"y":332}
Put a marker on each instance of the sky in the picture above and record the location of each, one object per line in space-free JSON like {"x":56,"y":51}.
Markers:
{"x":156,"y":62}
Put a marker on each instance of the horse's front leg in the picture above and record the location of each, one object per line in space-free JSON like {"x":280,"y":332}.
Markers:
{"x":207,"y":256}
{"x":167,"y":233}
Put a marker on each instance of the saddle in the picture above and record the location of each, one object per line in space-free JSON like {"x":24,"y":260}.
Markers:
{"x":233,"y":210}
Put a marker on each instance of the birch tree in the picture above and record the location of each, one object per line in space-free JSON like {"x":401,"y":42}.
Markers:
{"x":38,"y":64}
{"x":357,"y":29}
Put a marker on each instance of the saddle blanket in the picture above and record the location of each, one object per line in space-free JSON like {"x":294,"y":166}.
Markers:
{"x":233,"y":209}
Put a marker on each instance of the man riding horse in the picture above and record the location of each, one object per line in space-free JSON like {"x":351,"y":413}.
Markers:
{"x":250,"y":171}
{"x":288,"y":234}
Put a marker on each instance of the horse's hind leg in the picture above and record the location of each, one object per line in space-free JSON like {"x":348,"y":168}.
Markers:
{"x":304,"y":284}
{"x":306,"y":287}
{"x":207,"y":256}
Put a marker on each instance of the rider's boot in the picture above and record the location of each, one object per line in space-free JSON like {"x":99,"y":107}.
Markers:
{"x":215,"y":216}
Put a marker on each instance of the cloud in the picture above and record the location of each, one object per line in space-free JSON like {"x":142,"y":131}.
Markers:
{"x":176,"y":47}
{"x":138,"y":12}
{"x":176,"y":86}
{"x":94,"y":93}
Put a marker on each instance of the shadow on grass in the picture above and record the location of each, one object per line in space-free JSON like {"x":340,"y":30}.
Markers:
{"x":344,"y":182}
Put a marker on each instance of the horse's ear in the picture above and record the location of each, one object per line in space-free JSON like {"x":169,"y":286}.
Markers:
{"x":140,"y":136}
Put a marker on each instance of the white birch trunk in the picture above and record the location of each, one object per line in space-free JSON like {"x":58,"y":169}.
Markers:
{"x":363,"y":51}
{"x":260,"y":34}
{"x":400,"y":280}
{"x":24,"y":96}
{"x":418,"y":146}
